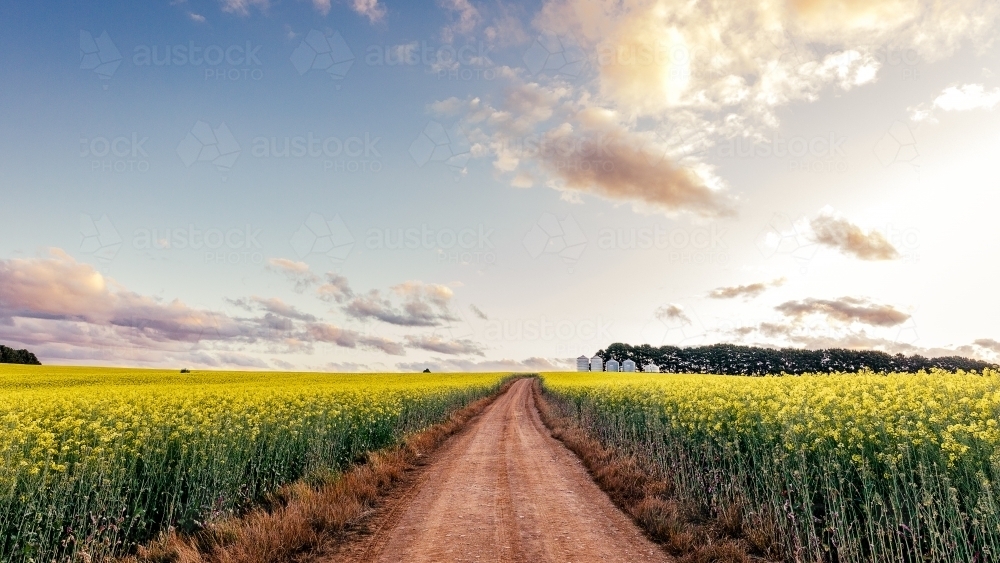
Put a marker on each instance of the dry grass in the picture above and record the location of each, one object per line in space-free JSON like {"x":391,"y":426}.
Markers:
{"x":642,"y":491}
{"x":311,"y":517}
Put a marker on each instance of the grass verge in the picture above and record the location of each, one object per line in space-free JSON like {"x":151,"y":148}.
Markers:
{"x":644,"y":492}
{"x":311,"y":517}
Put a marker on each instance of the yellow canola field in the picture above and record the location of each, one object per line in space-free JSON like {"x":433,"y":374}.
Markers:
{"x":94,"y":460}
{"x":848,"y":467}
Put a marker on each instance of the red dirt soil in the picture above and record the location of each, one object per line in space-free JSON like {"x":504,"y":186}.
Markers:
{"x":503,"y":490}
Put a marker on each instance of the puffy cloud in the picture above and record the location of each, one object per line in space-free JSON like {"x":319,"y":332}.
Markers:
{"x":322,"y":6}
{"x":672,"y":312}
{"x":69,"y":310}
{"x":614,"y":164}
{"x":371,"y":9}
{"x":989,"y":344}
{"x":422,"y":305}
{"x":753,"y":55}
{"x":747,"y":291}
{"x":581,"y":147}
{"x":958,"y":98}
{"x":850,"y":239}
{"x":465,"y":18}
{"x":846,"y":310}
{"x":442,"y":346}
{"x":59,"y":288}
{"x":663,"y":71}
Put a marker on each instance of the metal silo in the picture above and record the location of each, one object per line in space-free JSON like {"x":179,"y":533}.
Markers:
{"x":582,"y":364}
{"x":596,"y":364}
{"x":651,"y":368}
{"x":612,"y":365}
{"x":628,"y":365}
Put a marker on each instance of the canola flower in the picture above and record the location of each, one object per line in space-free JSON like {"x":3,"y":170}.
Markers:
{"x":95,"y":460}
{"x":843,"y":467}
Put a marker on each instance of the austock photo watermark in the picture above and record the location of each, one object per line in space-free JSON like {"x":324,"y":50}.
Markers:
{"x":354,"y":154}
{"x":565,"y":335}
{"x":562,"y":54}
{"x":318,"y":235}
{"x":679,"y":245}
{"x":556,"y":236}
{"x":463,"y":245}
{"x":445,"y":144}
{"x":467,"y":62}
{"x":225,"y":246}
{"x":115,"y":154}
{"x":221,"y":246}
{"x":902,"y":60}
{"x":212,"y":62}
{"x":333,"y":154}
{"x":816,"y":154}
{"x":906,"y":241}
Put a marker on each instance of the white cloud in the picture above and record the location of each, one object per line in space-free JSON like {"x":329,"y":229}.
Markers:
{"x":242,"y":7}
{"x":958,"y":98}
{"x":465,"y":18}
{"x":443,"y":346}
{"x":371,"y":9}
{"x":659,"y":72}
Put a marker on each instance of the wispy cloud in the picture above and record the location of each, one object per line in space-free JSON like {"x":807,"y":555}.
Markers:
{"x":345,"y":338}
{"x":443,"y":346}
{"x":842,"y":235}
{"x":242,"y":7}
{"x":746,"y":291}
{"x":846,"y":310}
{"x":297,"y":272}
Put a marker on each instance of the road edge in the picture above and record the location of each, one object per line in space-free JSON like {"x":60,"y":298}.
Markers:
{"x":640,"y":492}
{"x":307,"y":522}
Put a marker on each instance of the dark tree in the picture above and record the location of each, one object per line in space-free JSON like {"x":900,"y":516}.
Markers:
{"x":12,"y":356}
{"x":731,"y":359}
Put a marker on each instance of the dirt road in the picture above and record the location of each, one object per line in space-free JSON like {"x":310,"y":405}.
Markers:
{"x":505,"y":491}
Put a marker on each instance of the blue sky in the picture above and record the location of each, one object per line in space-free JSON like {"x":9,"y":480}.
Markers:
{"x":534,"y":182}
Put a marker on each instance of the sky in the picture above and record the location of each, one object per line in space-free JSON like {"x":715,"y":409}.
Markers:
{"x":372,"y":185}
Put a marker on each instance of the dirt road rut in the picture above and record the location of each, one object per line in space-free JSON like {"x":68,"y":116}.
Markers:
{"x":505,"y":491}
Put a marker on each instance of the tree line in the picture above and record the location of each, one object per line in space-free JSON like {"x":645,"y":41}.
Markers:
{"x":12,"y":356}
{"x":731,"y":359}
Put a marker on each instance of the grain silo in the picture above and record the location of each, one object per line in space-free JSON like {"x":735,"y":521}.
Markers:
{"x":651,"y":368}
{"x":596,"y":364}
{"x":612,"y":365}
{"x":582,"y":364}
{"x":628,"y":365}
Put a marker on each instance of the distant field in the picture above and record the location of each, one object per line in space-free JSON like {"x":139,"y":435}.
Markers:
{"x":96,"y":459}
{"x":842,"y":467}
